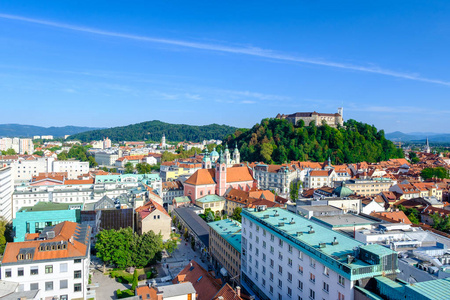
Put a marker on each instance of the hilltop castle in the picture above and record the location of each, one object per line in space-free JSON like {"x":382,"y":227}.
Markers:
{"x":332,"y":120}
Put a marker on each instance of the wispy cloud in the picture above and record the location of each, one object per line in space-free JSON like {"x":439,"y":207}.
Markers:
{"x":251,"y":51}
{"x":396,"y":110}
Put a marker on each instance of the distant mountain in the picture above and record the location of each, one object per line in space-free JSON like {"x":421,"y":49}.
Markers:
{"x":18,"y":130}
{"x":154,"y":130}
{"x":419,"y":137}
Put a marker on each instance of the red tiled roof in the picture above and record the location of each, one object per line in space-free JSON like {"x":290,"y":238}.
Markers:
{"x":204,"y":284}
{"x":227,"y":293}
{"x":392,"y":216}
{"x":65,"y":231}
{"x":202,"y":177}
{"x":150,"y":207}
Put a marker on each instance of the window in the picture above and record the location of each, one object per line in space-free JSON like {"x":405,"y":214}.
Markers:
{"x":300,"y":269}
{"x":289,"y":292}
{"x":272,"y":238}
{"x":271,"y":276}
{"x":63,"y":284}
{"x":64,"y":297}
{"x":63,"y":268}
{"x":280,"y":242}
{"x":271,"y":249}
{"x":326,"y":271}
{"x":264,"y":244}
{"x":280,"y":270}
{"x":257,"y":239}
{"x":279,"y":296}
{"x":250,"y":258}
{"x":34,"y":270}
{"x":257,"y":252}
{"x":340,"y":296}
{"x":290,"y":248}
{"x":300,"y":285}
{"x":77,"y":274}
{"x":341,"y":280}
{"x":264,"y":257}
{"x":49,"y":286}
{"x":264,"y":232}
{"x":264,"y":270}
{"x":300,"y":255}
{"x":312,"y":262}
{"x":271,"y":263}
{"x":34,"y":286}
{"x":256,"y":275}
{"x":263,"y":282}
{"x":312,"y":277}
{"x":312,"y":294}
{"x":326,"y":287}
{"x":49,"y":269}
{"x":271,"y":289}
{"x":77,"y":261}
{"x":8,"y":273}
{"x":77,"y":287}
{"x":289,"y":262}
{"x":280,"y":256}
{"x":20,"y":272}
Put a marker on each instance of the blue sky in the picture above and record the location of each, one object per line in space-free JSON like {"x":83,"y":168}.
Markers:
{"x":111,"y":63}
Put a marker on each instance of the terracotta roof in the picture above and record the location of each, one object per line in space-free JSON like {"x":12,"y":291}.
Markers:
{"x":172,"y":185}
{"x":319,"y":173}
{"x":79,"y":181}
{"x":145,"y":292}
{"x":150,"y":207}
{"x":204,"y":283}
{"x":236,"y":174}
{"x":202,"y":177}
{"x":392,"y":216}
{"x":60,"y":176}
{"x":227,"y":293}
{"x":65,"y":232}
{"x":266,"y":194}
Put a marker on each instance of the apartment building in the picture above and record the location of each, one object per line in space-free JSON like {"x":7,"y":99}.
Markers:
{"x":106,"y":158}
{"x":286,"y":256}
{"x":57,"y":264}
{"x":368,"y":187}
{"x":225,"y":247}
{"x":73,"y":168}
{"x":6,"y":189}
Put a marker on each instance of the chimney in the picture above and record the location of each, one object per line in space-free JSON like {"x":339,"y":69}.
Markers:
{"x":159,"y":295}
{"x":238,"y":290}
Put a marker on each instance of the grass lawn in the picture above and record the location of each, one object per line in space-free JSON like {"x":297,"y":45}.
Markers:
{"x":127,"y":276}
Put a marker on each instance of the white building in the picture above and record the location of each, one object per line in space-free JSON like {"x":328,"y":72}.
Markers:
{"x":106,"y":158}
{"x":5,"y":144}
{"x":57,"y":266}
{"x":24,"y":170}
{"x":74,"y":168}
{"x":6,"y":189}
{"x":286,"y":256}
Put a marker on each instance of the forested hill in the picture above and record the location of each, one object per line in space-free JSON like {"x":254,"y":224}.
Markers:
{"x":153,"y":130}
{"x":278,"y":141}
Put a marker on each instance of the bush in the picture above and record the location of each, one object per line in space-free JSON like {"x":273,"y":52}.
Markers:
{"x":149,"y":274}
{"x":125,"y":293}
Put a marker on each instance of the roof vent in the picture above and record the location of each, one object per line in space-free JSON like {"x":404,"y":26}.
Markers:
{"x":311,"y":230}
{"x":50,"y":234}
{"x":335,"y":241}
{"x":266,"y":216}
{"x":275,"y":213}
{"x":350,"y":259}
{"x":292,"y":221}
{"x":299,"y":233}
{"x":281,"y":224}
{"x":322,"y":245}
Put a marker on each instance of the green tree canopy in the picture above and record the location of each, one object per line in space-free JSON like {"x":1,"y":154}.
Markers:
{"x":438,"y":172}
{"x":124,"y":248}
{"x":237,"y":214}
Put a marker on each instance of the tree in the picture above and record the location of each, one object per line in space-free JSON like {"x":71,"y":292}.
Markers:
{"x":172,"y":243}
{"x":135,"y":280}
{"x":294,"y":188}
{"x":129,"y":169}
{"x":210,"y":217}
{"x":237,"y":214}
{"x":438,"y":172}
{"x":39,"y":153}
{"x":124,"y":248}
{"x":9,"y":151}
{"x":5,"y":233}
{"x":144,"y":168}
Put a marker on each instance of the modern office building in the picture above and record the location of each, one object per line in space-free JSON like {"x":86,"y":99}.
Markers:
{"x":286,"y":256}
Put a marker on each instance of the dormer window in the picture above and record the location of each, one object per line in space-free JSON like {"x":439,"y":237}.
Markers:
{"x":20,"y":257}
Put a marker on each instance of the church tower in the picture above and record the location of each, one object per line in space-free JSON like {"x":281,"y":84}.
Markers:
{"x":206,"y":162}
{"x":236,"y":155}
{"x":221,"y":175}
{"x":227,"y":155}
{"x":163,"y":141}
{"x":427,"y":147}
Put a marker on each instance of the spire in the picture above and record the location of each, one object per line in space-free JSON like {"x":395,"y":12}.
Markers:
{"x":329,"y":161}
{"x":222,"y":158}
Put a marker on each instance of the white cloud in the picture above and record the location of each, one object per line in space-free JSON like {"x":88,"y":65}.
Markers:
{"x":251,"y":51}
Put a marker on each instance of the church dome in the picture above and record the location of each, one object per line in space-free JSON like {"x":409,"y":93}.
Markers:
{"x":214,"y":153}
{"x":226,"y":149}
{"x":342,"y":191}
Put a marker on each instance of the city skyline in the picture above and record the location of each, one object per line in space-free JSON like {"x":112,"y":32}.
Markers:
{"x":232,"y":65}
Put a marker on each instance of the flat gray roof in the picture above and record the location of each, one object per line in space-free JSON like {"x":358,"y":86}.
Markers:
{"x":346,"y":220}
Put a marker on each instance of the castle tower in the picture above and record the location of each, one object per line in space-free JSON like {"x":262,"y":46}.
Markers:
{"x":340,"y":120}
{"x":221,"y":175}
{"x":236,"y":155}
{"x":206,"y":162}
